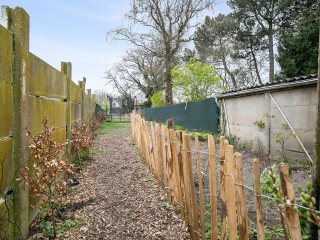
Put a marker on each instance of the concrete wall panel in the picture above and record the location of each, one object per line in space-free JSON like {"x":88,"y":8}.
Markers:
{"x":6,"y":165}
{"x":6,"y":210}
{"x":6,"y":55}
{"x":60,"y":135}
{"x":6,"y":103}
{"x":41,"y":108}
{"x":249,"y":102}
{"x":296,"y":97}
{"x":45,"y":80}
{"x":75,"y":112}
{"x":75,"y":93}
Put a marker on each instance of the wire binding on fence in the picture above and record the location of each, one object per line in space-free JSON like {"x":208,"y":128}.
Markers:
{"x":167,"y":141}
{"x":271,"y":198}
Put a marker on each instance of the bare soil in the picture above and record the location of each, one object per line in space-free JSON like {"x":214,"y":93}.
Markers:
{"x":118,"y":198}
{"x":270,"y":212}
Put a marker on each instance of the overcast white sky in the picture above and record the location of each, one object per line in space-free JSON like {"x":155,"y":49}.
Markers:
{"x":75,"y":31}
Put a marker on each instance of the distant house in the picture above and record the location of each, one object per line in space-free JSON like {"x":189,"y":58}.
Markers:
{"x":257,"y":116}
{"x":121,"y":105}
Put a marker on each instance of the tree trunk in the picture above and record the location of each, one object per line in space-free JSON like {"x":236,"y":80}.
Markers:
{"x":231,"y":75}
{"x":271,"y":54}
{"x":313,"y":233}
{"x":168,"y":90}
{"x":255,"y":62}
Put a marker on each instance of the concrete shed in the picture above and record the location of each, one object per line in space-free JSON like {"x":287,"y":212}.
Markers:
{"x":263,"y":117}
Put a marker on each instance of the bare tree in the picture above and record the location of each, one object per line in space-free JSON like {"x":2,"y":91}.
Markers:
{"x":101,"y":96}
{"x":162,"y":23}
{"x":138,"y":71}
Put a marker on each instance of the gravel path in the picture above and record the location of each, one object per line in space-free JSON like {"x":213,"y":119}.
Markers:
{"x":119,"y":199}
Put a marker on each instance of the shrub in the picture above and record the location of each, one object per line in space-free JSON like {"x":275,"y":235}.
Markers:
{"x":94,"y":128}
{"x":102,"y":116}
{"x":81,"y":141}
{"x":51,"y":173}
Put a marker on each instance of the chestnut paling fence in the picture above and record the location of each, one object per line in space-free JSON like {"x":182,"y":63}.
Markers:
{"x":221,"y":211}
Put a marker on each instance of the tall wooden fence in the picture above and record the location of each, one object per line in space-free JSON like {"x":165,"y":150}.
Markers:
{"x":169,"y":156}
{"x":30,"y":90}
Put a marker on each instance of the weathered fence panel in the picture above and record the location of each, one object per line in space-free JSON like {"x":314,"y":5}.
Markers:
{"x":30,"y":91}
{"x":46,"y":80}
{"x":40,"y":108}
{"x":6,"y":103}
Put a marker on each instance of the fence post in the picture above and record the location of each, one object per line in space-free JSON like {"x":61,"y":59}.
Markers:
{"x":241,"y":199}
{"x":171,"y":164}
{"x":193,"y":197}
{"x":66,"y":69}
{"x":18,"y":23}
{"x":223,"y":143}
{"x":168,"y":157}
{"x":159,"y":155}
{"x":82,"y":86}
{"x":181,"y":183}
{"x":153,"y":148}
{"x":186,"y":178}
{"x":231,"y":208}
{"x":164,"y":155}
{"x":289,"y":195}
{"x":257,"y":198}
{"x":175,"y":168}
{"x":89,"y":115}
{"x":213,"y":187}
{"x":201,"y":194}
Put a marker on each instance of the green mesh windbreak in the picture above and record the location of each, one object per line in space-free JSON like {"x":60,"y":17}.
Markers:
{"x":198,"y":116}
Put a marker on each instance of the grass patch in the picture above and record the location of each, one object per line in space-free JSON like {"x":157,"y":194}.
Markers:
{"x":108,"y":127}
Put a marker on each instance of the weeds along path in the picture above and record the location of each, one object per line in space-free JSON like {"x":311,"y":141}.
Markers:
{"x":118,"y":198}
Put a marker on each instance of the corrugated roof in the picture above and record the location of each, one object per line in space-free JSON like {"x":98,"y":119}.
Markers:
{"x":274,"y":86}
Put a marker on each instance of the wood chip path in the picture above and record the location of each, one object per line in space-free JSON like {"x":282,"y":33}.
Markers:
{"x":118,"y":198}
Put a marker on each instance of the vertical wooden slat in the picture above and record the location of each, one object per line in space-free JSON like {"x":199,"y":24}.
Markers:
{"x":181,"y":184}
{"x":148,"y":143}
{"x":136,"y":129}
{"x":150,"y":149}
{"x":164,"y":156}
{"x":159,"y":155}
{"x":231,"y":208}
{"x":144,"y":142}
{"x":175,"y":167}
{"x":153,"y":147}
{"x":287,"y":189}
{"x":241,"y":199}
{"x":186,"y":177}
{"x":201,"y":195}
{"x":138,"y":133}
{"x":170,"y":174}
{"x":193,"y":196}
{"x":258,"y":200}
{"x":213,"y":187}
{"x":223,"y":143}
